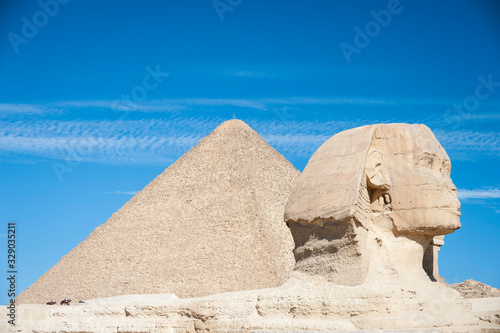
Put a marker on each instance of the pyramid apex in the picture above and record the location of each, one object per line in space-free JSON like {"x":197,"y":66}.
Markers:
{"x":234,"y":124}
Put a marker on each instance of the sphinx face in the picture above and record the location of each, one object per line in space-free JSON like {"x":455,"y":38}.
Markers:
{"x":424,"y":199}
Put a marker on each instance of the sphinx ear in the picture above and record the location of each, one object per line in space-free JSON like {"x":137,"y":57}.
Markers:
{"x":375,"y":171}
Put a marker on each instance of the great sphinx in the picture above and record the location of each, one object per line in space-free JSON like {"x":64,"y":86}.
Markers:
{"x":373,"y":202}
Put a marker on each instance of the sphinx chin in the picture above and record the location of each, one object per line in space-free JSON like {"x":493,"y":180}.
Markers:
{"x":432,"y":222}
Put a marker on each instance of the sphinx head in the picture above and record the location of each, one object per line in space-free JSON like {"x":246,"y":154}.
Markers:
{"x":400,"y":169}
{"x":394,"y":177}
{"x":408,"y":175}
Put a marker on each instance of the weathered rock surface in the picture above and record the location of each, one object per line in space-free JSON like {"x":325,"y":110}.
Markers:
{"x":212,"y":222}
{"x":473,"y":289}
{"x":301,"y":305}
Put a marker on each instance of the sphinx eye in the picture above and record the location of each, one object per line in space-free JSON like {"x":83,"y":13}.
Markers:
{"x":446,"y":168}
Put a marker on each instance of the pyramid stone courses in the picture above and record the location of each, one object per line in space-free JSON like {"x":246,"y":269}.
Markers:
{"x":212,"y":222}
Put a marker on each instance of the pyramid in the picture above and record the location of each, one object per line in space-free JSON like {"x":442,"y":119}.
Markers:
{"x":212,"y":222}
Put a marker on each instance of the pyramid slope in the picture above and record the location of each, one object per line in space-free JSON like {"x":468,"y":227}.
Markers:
{"x":212,"y":222}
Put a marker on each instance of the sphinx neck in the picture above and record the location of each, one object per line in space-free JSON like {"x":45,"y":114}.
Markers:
{"x":333,"y":250}
{"x":350,"y":253}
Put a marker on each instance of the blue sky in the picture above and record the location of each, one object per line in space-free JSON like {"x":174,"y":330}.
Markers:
{"x":97,"y":99}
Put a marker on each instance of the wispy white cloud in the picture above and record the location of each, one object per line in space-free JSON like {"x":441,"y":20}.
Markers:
{"x":158,"y":140}
{"x":123,"y":192}
{"x":328,"y":101}
{"x":470,"y":142}
{"x":490,"y":193}
{"x":153,"y":141}
{"x":109,"y":142}
{"x":161,"y":105}
{"x":301,"y":145}
{"x":182,"y":104}
{"x":298,"y":138}
{"x":249,"y":103}
{"x":123,"y":105}
{"x":162,"y":141}
{"x":17,"y":108}
{"x":186,"y":104}
{"x":492,"y":116}
{"x":10,"y":109}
